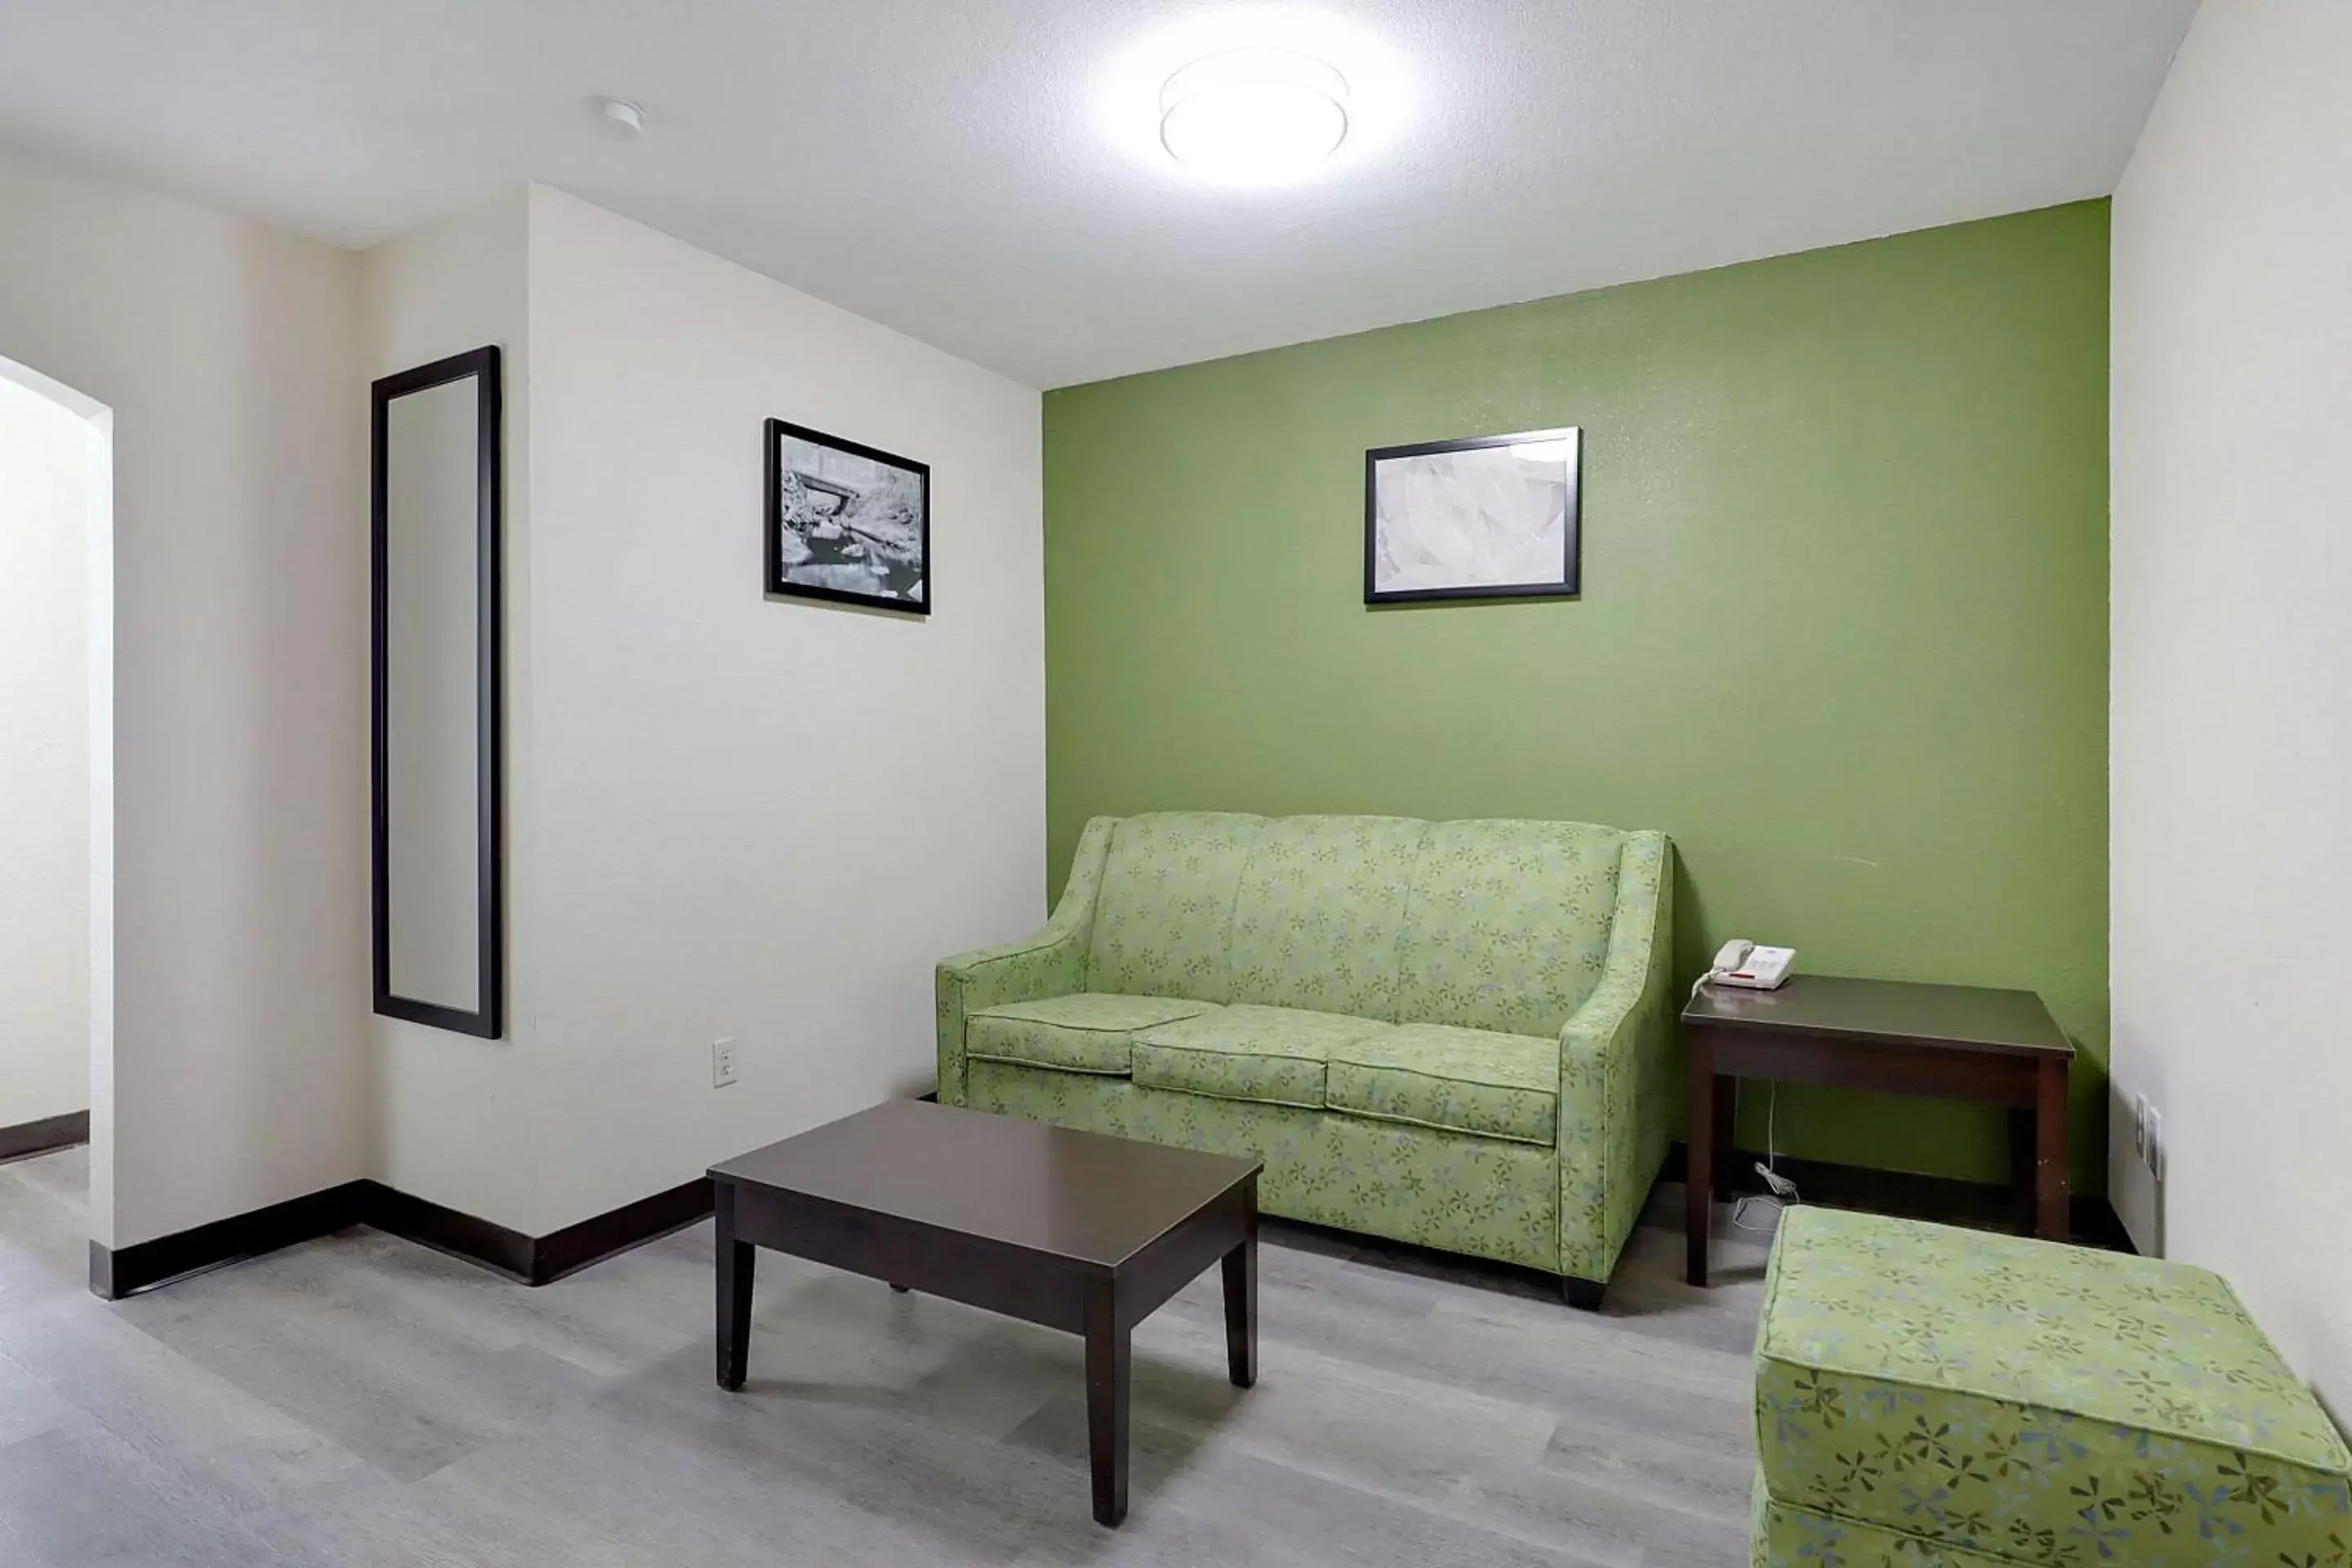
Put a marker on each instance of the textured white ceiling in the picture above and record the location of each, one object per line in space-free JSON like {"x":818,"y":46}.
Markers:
{"x":983,"y":175}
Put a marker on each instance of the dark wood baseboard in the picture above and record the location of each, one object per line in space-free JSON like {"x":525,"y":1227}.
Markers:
{"x":540,"y":1260}
{"x":118,"y":1272}
{"x":460,"y":1235}
{"x":1982,"y":1205}
{"x":45,"y":1136}
{"x":593,"y":1240}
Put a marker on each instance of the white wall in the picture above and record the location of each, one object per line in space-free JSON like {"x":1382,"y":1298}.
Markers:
{"x":456,"y":1116}
{"x":726,"y":817}
{"x":765,"y":820}
{"x":46,"y":469}
{"x":2232,"y":656}
{"x":228,"y":353}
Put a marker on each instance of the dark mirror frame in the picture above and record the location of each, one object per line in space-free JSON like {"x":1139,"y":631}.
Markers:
{"x":486,"y":1021}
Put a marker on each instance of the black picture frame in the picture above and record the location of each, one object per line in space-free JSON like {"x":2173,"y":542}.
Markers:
{"x":486,"y":1018}
{"x":1567,"y":585}
{"x":776,"y":585}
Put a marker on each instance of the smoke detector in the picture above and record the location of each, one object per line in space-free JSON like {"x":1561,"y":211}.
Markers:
{"x":622,"y":117}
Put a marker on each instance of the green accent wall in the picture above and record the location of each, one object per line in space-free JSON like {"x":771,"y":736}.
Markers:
{"x":1842,"y":632}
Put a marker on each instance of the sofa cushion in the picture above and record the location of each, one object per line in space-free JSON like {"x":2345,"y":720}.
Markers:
{"x":1486,"y":1196}
{"x":1088,"y":1032}
{"x":1273,"y":1056}
{"x":1315,"y":919}
{"x":1463,"y":1080}
{"x":2036,"y":1402}
{"x":1163,"y":918}
{"x":1508,"y":924}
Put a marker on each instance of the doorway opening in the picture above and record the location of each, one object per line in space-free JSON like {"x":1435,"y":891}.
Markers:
{"x":57,"y":826}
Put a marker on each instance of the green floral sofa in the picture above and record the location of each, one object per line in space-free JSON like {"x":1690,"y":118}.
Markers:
{"x":1449,"y":1033}
{"x":1927,"y":1395}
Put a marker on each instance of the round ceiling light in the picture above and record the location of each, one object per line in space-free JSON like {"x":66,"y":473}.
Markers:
{"x":1253,"y":117}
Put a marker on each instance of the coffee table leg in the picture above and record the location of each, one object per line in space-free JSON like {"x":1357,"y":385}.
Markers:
{"x":1108,"y":1345}
{"x":736,"y":1266}
{"x":1241,"y":1307}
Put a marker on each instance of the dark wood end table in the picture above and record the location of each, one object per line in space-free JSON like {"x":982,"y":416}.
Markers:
{"x":1956,"y":1042}
{"x":1076,"y":1231}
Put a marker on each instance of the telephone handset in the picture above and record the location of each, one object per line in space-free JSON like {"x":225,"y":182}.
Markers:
{"x":1743,"y":964}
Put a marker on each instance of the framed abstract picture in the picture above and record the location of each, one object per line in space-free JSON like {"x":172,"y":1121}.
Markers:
{"x":1488,"y":517}
{"x":847,"y":523}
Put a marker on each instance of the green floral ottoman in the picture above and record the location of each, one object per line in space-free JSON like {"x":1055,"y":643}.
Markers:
{"x":1932,"y":1396}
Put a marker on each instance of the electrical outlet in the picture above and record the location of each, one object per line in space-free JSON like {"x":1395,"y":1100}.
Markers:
{"x":722,"y":1062}
{"x":2155,"y":1154}
{"x":2139,"y":1127}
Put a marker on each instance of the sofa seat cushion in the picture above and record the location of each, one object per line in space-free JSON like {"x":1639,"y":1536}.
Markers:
{"x":1461,"y":1080}
{"x":1273,"y":1056}
{"x":1088,"y":1031}
{"x":2035,"y":1402}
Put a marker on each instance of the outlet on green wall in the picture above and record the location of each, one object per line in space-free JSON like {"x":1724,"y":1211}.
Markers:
{"x":1842,"y":632}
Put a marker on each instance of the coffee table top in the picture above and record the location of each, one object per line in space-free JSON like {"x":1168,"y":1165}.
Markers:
{"x":1079,"y":1196}
{"x":1959,"y":1017}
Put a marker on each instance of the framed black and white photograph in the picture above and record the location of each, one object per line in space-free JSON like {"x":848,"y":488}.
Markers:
{"x":1488,"y":517}
{"x":847,"y":523}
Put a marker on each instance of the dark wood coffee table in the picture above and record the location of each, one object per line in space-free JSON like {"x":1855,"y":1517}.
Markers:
{"x":1958,"y":1042}
{"x":1072,"y":1230}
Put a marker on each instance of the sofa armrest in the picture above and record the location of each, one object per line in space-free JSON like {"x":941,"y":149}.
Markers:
{"x":1051,"y":961}
{"x":1618,"y":1078}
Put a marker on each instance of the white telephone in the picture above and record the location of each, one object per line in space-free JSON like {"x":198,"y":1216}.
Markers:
{"x":1743,"y":964}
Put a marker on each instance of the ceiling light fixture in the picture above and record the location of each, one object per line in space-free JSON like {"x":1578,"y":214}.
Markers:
{"x":1253,"y":117}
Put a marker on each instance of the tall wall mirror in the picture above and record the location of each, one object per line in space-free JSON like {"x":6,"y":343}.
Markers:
{"x":434,"y":493}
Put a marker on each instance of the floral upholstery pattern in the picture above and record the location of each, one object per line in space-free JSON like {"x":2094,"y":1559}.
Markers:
{"x":1464,"y":1080}
{"x":1087,"y":1031}
{"x":1321,"y":901}
{"x":1167,"y":904}
{"x":1272,"y":1054}
{"x":1538,"y":1152}
{"x":1510,"y":924}
{"x":1621,"y":1070}
{"x":1480,"y":1195}
{"x":1052,"y":963}
{"x":2028,"y":1402}
{"x":1786,"y":1537}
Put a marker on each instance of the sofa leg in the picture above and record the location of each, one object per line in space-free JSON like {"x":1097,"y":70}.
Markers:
{"x":1584,"y":1295}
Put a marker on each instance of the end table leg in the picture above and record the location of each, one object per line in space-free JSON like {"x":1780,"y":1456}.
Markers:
{"x":1699,"y":1180}
{"x":2025,"y":1161}
{"x":1725,"y":1146}
{"x":1241,"y":1305}
{"x":736,"y":1267}
{"x":1108,"y":1346}
{"x":2052,"y":1221}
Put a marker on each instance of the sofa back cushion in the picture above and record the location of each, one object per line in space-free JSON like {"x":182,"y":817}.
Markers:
{"x":1322,"y":900}
{"x":1164,"y":917}
{"x":1507,"y":927}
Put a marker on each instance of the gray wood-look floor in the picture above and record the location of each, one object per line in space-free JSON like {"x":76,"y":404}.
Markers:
{"x":362,"y":1401}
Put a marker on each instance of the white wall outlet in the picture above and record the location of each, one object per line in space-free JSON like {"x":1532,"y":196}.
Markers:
{"x":722,"y":1062}
{"x":2139,"y":1127}
{"x":2154,"y":1151}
